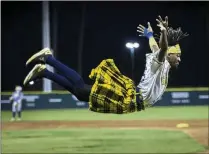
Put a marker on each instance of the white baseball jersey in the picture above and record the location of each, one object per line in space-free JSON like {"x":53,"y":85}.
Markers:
{"x":155,"y":78}
{"x":17,"y":97}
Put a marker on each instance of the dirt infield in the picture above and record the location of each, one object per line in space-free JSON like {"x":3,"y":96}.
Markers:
{"x":198,"y":129}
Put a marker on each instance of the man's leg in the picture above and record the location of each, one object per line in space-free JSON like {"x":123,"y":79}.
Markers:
{"x":13,"y":111}
{"x":62,"y":81}
{"x":67,"y":72}
{"x":81,"y":93}
{"x":19,"y":110}
{"x":40,"y":71}
{"x":45,"y":56}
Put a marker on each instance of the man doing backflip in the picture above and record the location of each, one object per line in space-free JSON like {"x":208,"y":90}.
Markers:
{"x":112,"y":92}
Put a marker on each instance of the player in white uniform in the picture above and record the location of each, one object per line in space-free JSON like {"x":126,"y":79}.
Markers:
{"x":158,"y":63}
{"x":16,"y":100}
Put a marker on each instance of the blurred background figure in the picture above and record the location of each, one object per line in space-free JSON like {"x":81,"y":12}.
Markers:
{"x":16,"y":100}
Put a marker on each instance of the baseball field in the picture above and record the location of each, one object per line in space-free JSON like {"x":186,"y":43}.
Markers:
{"x":81,"y":131}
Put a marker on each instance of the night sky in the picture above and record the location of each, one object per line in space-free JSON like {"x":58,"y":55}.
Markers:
{"x":107,"y":27}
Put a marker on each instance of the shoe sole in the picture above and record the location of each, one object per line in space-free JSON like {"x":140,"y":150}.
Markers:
{"x":37,"y":68}
{"x":37,"y":54}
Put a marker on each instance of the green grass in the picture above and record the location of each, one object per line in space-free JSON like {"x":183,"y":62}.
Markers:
{"x":98,"y":141}
{"x":103,"y":140}
{"x":184,"y":113}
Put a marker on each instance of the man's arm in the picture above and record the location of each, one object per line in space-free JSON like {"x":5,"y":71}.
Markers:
{"x":163,"y":42}
{"x":11,"y":97}
{"x":148,"y":33}
{"x":153,"y":44}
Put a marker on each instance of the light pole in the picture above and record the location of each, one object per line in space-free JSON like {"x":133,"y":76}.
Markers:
{"x":132,"y":47}
{"x":47,"y":84}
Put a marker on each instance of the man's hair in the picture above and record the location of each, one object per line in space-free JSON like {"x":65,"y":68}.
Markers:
{"x":174,"y":36}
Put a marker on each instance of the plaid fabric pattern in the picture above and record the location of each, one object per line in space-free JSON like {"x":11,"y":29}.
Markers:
{"x":112,"y":92}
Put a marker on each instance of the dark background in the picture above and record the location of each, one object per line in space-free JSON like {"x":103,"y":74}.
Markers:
{"x":108,"y":26}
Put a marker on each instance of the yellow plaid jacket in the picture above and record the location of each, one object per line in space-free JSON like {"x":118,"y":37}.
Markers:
{"x":112,"y":92}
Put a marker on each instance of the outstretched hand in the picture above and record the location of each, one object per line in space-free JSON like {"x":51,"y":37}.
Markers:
{"x":165,"y":22}
{"x":147,"y":32}
{"x":160,"y":24}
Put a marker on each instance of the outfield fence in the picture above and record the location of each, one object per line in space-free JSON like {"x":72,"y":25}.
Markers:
{"x":63,"y":99}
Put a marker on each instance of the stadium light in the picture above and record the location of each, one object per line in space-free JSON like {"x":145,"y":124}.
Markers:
{"x":132,"y":46}
{"x":136,"y":45}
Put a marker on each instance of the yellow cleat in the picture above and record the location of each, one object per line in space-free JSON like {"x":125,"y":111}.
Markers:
{"x":39,"y":57}
{"x":35,"y":73}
